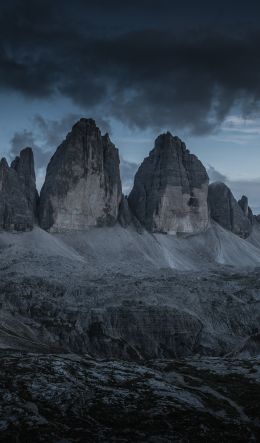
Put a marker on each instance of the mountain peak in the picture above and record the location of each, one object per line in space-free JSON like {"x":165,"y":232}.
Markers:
{"x":82,"y":186}
{"x":170,"y":189}
{"x":227,"y":212}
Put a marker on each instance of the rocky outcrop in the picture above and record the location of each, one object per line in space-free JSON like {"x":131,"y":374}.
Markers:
{"x":24,"y":166}
{"x":126,"y":217}
{"x":226,"y":211}
{"x":82,"y":186}
{"x":16,"y":209}
{"x":54,"y":397}
{"x":170,"y":189}
{"x":243,"y":203}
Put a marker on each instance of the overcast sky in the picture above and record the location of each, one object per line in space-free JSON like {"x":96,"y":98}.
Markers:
{"x":138,"y":68}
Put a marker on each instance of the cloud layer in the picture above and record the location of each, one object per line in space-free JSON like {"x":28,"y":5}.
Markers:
{"x":149,"y":65}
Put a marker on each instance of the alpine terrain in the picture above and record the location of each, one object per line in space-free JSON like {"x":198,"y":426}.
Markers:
{"x":126,"y":319}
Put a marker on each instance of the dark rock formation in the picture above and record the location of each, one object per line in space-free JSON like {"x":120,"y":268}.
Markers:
{"x":24,"y":166}
{"x":82,"y":186}
{"x":170,"y":189}
{"x":226,"y":211}
{"x":126,"y":217}
{"x":125,"y":214}
{"x":15,"y":210}
{"x":54,"y":397}
{"x":243,"y":203}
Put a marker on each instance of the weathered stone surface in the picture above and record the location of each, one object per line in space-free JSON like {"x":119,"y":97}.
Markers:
{"x":73,"y":398}
{"x":24,"y":166}
{"x":257,"y":218}
{"x":15,"y":213}
{"x":170,"y":189}
{"x":82,"y":186}
{"x":226,"y":211}
{"x":126,"y":217}
{"x":243,"y":203}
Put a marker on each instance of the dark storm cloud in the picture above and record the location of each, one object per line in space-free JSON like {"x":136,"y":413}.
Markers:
{"x":149,"y":64}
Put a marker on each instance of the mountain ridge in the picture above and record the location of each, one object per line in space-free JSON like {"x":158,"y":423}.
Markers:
{"x":82,"y":188}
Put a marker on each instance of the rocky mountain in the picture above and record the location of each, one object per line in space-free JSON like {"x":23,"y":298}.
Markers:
{"x":18,"y":194}
{"x":243,"y":203}
{"x":24,"y":166}
{"x":82,"y":186}
{"x":170,"y":189}
{"x":118,"y":333}
{"x":225,"y":210}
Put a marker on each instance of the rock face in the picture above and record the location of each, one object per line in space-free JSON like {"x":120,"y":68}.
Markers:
{"x":126,"y":217}
{"x":82,"y":186}
{"x":243,"y":203}
{"x":18,"y":194}
{"x":226,"y":211}
{"x":24,"y":166}
{"x":170,"y":189}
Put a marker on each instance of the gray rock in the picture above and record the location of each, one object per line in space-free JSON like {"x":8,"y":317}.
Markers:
{"x":243,"y":203}
{"x":226,"y":211}
{"x":15,"y":213}
{"x":24,"y":166}
{"x":65,"y":398}
{"x":82,"y":186}
{"x":126,"y":217}
{"x":170,"y":189}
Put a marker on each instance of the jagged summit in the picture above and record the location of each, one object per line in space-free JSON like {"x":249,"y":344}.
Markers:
{"x":18,"y":194}
{"x":170,"y":189}
{"x":82,"y":186}
{"x":226,"y":211}
{"x":243,"y":203}
{"x":24,"y":166}
{"x":85,"y":125}
{"x":3,"y":163}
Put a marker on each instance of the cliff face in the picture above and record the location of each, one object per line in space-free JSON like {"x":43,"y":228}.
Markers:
{"x":24,"y":166}
{"x":243,"y":203}
{"x":170,"y":189}
{"x":82,"y":186}
{"x":225,"y":210}
{"x":18,"y":194}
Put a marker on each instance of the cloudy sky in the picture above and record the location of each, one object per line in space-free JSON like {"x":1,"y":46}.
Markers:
{"x":138,"y":68}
